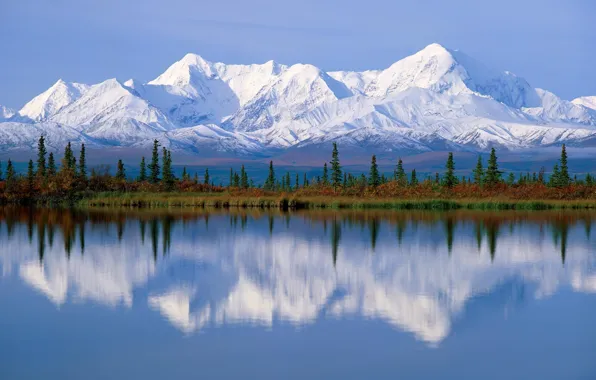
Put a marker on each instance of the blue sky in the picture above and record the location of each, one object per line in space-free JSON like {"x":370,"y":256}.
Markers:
{"x":549,"y":42}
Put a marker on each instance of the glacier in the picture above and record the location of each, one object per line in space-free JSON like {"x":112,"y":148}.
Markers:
{"x":435,"y":99}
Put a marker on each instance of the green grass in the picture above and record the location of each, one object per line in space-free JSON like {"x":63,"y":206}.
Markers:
{"x":218,"y":200}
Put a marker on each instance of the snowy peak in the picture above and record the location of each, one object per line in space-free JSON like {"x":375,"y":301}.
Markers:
{"x":185,"y":72}
{"x":586,"y":101}
{"x":434,"y":68}
{"x":54,"y":99}
{"x":6,"y":113}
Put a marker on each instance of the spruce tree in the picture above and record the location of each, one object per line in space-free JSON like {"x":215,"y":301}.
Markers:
{"x":450,"y":179}
{"x":511,"y":179}
{"x":143,"y":170}
{"x":270,"y":182}
{"x":335,"y":168}
{"x":492,"y":175}
{"x":297,"y":186}
{"x":236,"y":180}
{"x":478,"y":172}
{"x":206,"y":177}
{"x":10,"y":175}
{"x":82,"y":164}
{"x":304,"y":181}
{"x":154,"y":168}
{"x":120,"y":171}
{"x":185,"y":175}
{"x":51,"y":165}
{"x":400,"y":174}
{"x":166,"y":171}
{"x":589,"y":180}
{"x":413,"y":178}
{"x":564,"y":178}
{"x":30,"y":175}
{"x":373,"y":178}
{"x":288,"y":182}
{"x":243,"y":178}
{"x":555,"y":177}
{"x":325,"y":175}
{"x":231,"y":178}
{"x":41,"y":157}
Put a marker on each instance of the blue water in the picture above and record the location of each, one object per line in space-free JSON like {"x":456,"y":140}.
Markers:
{"x":351,"y":295}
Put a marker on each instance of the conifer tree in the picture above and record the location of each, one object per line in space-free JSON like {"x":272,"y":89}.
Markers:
{"x":589,"y":180}
{"x":30,"y":176}
{"x":41,"y":157}
{"x":554,"y":178}
{"x":82,"y":164}
{"x":304,"y":181}
{"x":120,"y":171}
{"x":450,"y":179}
{"x":511,"y":179}
{"x":270,"y":182}
{"x":478,"y":172}
{"x":288,"y":182}
{"x":154,"y":168}
{"x":492,"y":175}
{"x":325,"y":175}
{"x":143,"y":170}
{"x":243,"y":178}
{"x":297,"y":186}
{"x":413,"y":178}
{"x":373,"y":178}
{"x":206,"y":177}
{"x":51,"y":165}
{"x":562,"y":178}
{"x":10,"y":175}
{"x":231,"y":177}
{"x":185,"y":176}
{"x":166,"y":171}
{"x":236,"y":180}
{"x":335,"y":168}
{"x":400,"y":174}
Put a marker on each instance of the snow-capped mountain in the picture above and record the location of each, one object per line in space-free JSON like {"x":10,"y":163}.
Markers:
{"x":433,"y":99}
{"x":6,"y":113}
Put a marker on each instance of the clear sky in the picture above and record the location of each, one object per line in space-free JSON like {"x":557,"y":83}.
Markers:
{"x":552,"y":43}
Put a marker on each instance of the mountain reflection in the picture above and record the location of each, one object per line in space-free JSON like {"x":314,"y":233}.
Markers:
{"x":418,"y":271}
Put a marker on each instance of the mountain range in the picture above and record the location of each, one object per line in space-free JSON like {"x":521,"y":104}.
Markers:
{"x":436,"y":99}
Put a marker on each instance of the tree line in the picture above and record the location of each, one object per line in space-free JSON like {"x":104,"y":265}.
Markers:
{"x":46,"y":180}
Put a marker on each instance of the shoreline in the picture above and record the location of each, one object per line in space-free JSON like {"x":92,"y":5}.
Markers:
{"x":294,"y":202}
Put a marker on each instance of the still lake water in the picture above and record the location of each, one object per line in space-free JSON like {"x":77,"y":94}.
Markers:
{"x":312,"y":295}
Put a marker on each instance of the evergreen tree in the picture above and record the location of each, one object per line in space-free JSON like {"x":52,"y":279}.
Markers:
{"x":30,"y":176}
{"x":206,"y":178}
{"x":413,"y":178}
{"x":196,"y":178}
{"x":492,"y":175}
{"x":554,"y":178}
{"x":166,"y":171}
{"x":231,"y":177}
{"x":373,"y":178}
{"x":82,"y":164}
{"x":51,"y":165}
{"x":243,"y":178}
{"x":270,"y":182}
{"x":143,"y":170}
{"x":304,"y":181}
{"x":288,"y":182}
{"x":589,"y":180}
{"x":511,"y":179}
{"x":297,"y":186}
{"x":10,"y":175}
{"x":120,"y":171}
{"x":154,"y":168}
{"x":236,"y":180}
{"x":335,"y":168}
{"x":185,"y":176}
{"x":325,"y":175}
{"x":450,"y":180}
{"x":478,"y":172}
{"x":400,"y":174}
{"x":564,"y":179}
{"x":41,"y":157}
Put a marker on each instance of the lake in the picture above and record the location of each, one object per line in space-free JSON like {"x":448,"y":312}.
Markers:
{"x":304,"y":295}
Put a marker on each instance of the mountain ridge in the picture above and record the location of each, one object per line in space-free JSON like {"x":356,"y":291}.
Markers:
{"x":434,"y":98}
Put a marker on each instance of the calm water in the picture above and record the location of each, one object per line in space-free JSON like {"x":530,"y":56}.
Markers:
{"x":354,"y":295}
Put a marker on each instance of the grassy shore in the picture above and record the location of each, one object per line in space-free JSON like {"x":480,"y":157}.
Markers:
{"x":287,"y":202}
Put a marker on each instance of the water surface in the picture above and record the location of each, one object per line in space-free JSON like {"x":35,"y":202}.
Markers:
{"x":310,"y":295}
